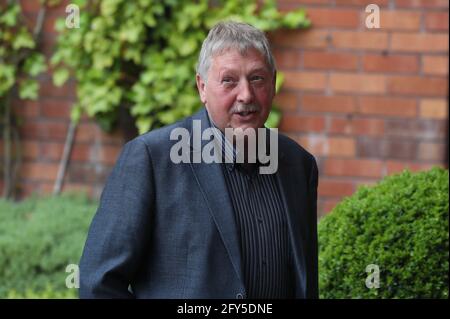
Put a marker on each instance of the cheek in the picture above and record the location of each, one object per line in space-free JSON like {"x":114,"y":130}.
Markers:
{"x":265,"y":98}
{"x":223,"y":101}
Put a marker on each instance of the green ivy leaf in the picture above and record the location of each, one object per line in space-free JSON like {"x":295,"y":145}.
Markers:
{"x":9,"y":17}
{"x":23,"y":40}
{"x":28,"y":89}
{"x":35,"y":64}
{"x":153,"y":46}
{"x":60,"y":76}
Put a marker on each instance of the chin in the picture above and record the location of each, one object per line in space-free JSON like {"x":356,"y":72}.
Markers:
{"x":246,"y":126}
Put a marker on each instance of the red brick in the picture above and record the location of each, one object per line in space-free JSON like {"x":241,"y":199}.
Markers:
{"x":416,"y":85}
{"x":40,"y":171}
{"x":329,"y":60}
{"x":290,"y":5}
{"x":329,"y":146}
{"x":300,"y":38}
{"x":371,"y":127}
{"x":52,"y":150}
{"x":286,"y":101}
{"x":422,"y":129}
{"x":357,"y":83}
{"x":50,"y":19}
{"x":108,"y":154}
{"x":386,"y":148}
{"x":297,"y":123}
{"x":87,"y":173}
{"x":399,"y":20}
{"x":34,"y":6}
{"x":371,"y":40}
{"x":55,"y":108}
{"x":45,"y":130}
{"x":47,"y":47}
{"x":390,"y":63}
{"x":30,"y":150}
{"x":361,"y":3}
{"x":413,"y":42}
{"x":322,"y":103}
{"x":436,"y":21}
{"x":30,"y":6}
{"x":304,"y":80}
{"x":434,"y":108}
{"x":422,"y":4}
{"x":353,"y":167}
{"x":388,"y":106}
{"x":436,"y":65}
{"x":81,"y":153}
{"x":115,"y":137}
{"x":393,"y":167}
{"x":432,"y":152}
{"x":87,"y":132}
{"x":67,"y":91}
{"x":288,"y":58}
{"x":338,"y":188}
{"x":26,"y":108}
{"x":324,"y":17}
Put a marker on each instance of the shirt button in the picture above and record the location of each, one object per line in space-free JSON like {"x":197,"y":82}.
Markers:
{"x":260,"y":220}
{"x":239,"y":296}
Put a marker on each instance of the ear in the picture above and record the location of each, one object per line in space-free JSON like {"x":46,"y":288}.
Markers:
{"x":201,"y":88}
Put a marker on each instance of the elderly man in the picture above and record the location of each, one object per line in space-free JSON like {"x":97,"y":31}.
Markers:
{"x":195,"y":229}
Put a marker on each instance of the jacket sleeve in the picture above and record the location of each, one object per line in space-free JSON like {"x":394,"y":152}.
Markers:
{"x":119,"y":231}
{"x":313,"y":286}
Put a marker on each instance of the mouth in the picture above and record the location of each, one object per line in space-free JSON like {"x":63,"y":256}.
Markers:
{"x":245,"y":115}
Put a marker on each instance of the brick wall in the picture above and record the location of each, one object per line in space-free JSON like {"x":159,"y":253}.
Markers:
{"x":366,"y":103}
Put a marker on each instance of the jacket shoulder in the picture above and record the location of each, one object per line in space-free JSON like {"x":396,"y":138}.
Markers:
{"x":294,"y":152}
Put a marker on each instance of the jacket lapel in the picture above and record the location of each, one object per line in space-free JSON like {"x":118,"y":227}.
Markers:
{"x":212,"y":183}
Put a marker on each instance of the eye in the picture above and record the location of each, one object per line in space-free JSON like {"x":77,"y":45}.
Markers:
{"x":257,"y":78}
{"x":228,"y":81}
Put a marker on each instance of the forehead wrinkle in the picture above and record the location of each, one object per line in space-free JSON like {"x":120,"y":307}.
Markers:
{"x":251,"y":66}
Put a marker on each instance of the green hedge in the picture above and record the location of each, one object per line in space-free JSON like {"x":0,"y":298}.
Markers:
{"x":401,"y":225}
{"x":39,"y":237}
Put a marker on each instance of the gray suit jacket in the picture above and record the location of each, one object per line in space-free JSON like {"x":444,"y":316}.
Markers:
{"x":165,"y":230}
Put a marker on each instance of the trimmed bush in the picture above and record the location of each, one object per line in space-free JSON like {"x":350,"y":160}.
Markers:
{"x":401,"y":225}
{"x":39,"y":237}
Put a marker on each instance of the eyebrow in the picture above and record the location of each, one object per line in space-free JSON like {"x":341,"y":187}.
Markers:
{"x":258,"y":69}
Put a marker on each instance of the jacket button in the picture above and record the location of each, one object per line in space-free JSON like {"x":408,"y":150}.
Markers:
{"x":239,"y":296}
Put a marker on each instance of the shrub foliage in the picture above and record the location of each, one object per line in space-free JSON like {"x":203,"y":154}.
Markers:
{"x":401,"y":225}
{"x":38,"y":239}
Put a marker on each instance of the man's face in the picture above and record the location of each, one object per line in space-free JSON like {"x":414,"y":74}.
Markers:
{"x":239,"y":89}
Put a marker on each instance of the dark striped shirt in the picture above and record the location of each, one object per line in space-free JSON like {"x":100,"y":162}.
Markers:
{"x":262,"y":226}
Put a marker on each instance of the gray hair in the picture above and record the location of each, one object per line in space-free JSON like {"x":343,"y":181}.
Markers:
{"x":227,"y":35}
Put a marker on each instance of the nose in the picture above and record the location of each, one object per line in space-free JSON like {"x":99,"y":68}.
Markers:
{"x":245,"y":94}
